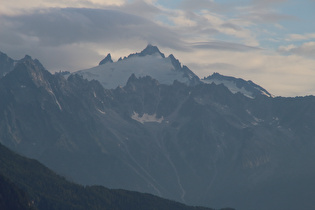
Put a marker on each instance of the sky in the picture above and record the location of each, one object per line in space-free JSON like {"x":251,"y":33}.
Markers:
{"x":271,"y":42}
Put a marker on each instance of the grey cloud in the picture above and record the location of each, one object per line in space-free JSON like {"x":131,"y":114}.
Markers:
{"x":226,"y":46}
{"x":55,"y":27}
{"x":266,"y":3}
{"x":262,"y":11}
{"x":71,"y":38}
{"x":138,"y":7}
{"x":221,"y":66}
{"x":266,"y":16}
{"x":306,"y":50}
{"x":212,"y":67}
{"x":211,"y":5}
{"x":198,"y":4}
{"x":232,"y":26}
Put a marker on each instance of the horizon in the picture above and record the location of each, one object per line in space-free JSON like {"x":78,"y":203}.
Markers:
{"x":271,"y":43}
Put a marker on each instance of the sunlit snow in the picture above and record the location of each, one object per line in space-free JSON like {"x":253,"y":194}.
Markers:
{"x":146,"y":118}
{"x":230,"y":85}
{"x":112,"y":75}
{"x":100,"y":111}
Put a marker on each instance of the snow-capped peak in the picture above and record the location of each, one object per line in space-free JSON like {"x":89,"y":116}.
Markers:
{"x":149,"y":62}
{"x":237,"y":85}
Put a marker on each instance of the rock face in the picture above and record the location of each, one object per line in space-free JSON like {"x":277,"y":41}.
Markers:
{"x":200,"y":144}
{"x":6,"y":64}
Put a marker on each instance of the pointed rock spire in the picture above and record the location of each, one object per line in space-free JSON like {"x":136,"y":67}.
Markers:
{"x":26,"y":57}
{"x":107,"y":59}
{"x":150,"y":50}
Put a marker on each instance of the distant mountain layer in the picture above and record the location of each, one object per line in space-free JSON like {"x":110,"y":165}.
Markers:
{"x":198,"y":144}
{"x":46,"y":190}
{"x":151,"y":62}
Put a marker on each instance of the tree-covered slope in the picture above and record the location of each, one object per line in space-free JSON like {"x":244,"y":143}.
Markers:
{"x":46,"y":190}
{"x":11,"y":197}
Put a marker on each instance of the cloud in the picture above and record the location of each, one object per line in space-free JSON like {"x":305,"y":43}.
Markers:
{"x":138,"y":7}
{"x":78,"y":38}
{"x":220,"y":45}
{"x":101,"y":31}
{"x":205,"y":26}
{"x":266,"y":3}
{"x":72,"y":25}
{"x":300,"y":37}
{"x":266,"y":16}
{"x":192,"y":5}
{"x":282,"y":75}
{"x":306,"y":49}
{"x":262,"y":12}
{"x":21,"y":6}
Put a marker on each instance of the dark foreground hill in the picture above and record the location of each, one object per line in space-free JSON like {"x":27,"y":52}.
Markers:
{"x":33,"y":186}
{"x":11,"y":197}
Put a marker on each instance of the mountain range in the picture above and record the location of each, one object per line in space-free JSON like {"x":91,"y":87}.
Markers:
{"x":215,"y":142}
{"x":151,"y":62}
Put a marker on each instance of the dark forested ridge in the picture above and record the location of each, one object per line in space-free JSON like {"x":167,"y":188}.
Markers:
{"x":13,"y":198}
{"x":33,"y":186}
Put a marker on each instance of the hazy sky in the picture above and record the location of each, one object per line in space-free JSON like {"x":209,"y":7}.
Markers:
{"x":271,"y":42}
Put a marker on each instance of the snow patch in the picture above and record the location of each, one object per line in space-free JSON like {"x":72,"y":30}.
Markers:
{"x":55,"y":98}
{"x":146,"y":118}
{"x":231,"y":86}
{"x":100,"y":111}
